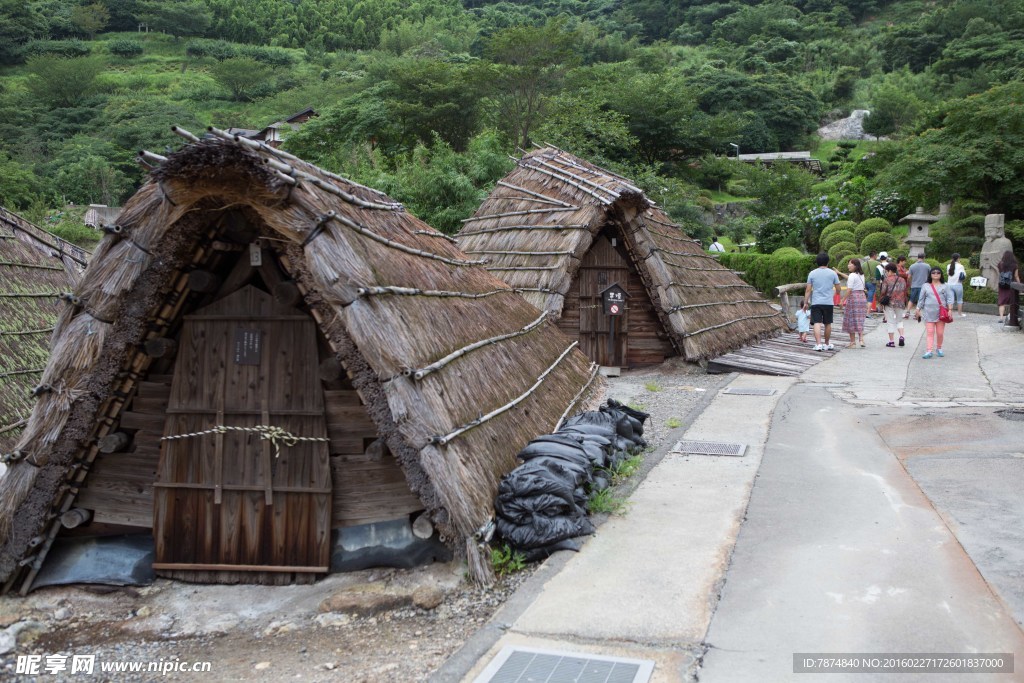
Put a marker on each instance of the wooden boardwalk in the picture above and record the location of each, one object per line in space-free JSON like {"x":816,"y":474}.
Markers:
{"x":785,"y":354}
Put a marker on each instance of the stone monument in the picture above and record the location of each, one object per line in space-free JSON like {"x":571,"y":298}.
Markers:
{"x":917,"y":238}
{"x":996,"y":244}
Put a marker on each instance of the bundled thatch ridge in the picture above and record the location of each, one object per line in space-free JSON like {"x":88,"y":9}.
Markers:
{"x":542,"y":218}
{"x":391,"y":295}
{"x":35,"y":268}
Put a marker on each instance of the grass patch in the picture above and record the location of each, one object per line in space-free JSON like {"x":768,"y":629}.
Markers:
{"x":507,"y":561}
{"x":653,"y":386}
{"x":607,"y":502}
{"x":626,"y":468}
{"x":722,"y":197}
{"x":637,"y":406}
{"x":673,"y":422}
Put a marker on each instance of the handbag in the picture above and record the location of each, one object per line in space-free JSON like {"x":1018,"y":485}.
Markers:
{"x":945,"y":316}
{"x":884,"y":299}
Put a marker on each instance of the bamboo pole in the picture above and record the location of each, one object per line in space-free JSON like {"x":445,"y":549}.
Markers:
{"x":504,"y":228}
{"x":716,"y":303}
{"x":673,"y":283}
{"x":438,"y":364}
{"x":447,"y":438}
{"x":567,"y":181}
{"x":410,"y":291}
{"x":730,"y":322}
{"x":524,"y":212}
{"x":538,"y":195}
{"x":594,"y":371}
{"x":520,"y":253}
{"x":177,"y":130}
{"x":151,"y":157}
{"x":614,"y":193}
{"x":523,"y":268}
{"x":435,"y":233}
{"x":398,"y":245}
{"x":35,"y":266}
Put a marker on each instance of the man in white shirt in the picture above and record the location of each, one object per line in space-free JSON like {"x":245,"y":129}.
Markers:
{"x":716,"y":245}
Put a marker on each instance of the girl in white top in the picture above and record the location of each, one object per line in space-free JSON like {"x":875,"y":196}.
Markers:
{"x":957,"y":274}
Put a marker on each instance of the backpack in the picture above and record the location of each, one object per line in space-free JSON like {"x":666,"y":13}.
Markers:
{"x":1005,"y":278}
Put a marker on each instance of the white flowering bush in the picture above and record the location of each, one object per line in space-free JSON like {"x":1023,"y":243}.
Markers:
{"x":887,"y":204}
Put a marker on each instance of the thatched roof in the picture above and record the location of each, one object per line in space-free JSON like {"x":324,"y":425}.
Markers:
{"x":35,"y":267}
{"x":542,"y":218}
{"x":456,"y":370}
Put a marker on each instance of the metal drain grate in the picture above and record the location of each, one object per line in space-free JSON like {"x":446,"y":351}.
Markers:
{"x":526,"y":665}
{"x":709,"y":448}
{"x":749,"y":392}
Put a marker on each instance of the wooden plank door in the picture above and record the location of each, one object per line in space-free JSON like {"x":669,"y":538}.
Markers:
{"x":602,"y":266}
{"x":233,"y":502}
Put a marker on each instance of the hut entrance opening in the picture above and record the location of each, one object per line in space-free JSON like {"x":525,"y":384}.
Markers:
{"x":639,"y":337}
{"x":233,"y":501}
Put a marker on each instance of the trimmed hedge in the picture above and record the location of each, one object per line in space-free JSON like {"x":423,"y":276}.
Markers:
{"x":841,"y":251}
{"x":125,"y":48}
{"x":787,"y":251}
{"x":834,"y":238}
{"x":765,"y":272}
{"x":879,"y":241}
{"x":870,"y":227}
{"x":838,"y":225}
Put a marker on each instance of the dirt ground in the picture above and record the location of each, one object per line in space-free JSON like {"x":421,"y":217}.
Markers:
{"x":372,"y":632}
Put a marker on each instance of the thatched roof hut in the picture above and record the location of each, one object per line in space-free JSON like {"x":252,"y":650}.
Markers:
{"x":561,"y":230}
{"x":35,"y":268}
{"x":244,"y":294}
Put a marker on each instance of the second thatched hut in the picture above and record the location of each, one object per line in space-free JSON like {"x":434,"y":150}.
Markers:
{"x":564,"y":232}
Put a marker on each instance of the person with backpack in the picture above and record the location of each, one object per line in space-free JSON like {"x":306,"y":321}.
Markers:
{"x":870,"y":266}
{"x":892,"y":296}
{"x":957,"y":274}
{"x":1009,"y":272}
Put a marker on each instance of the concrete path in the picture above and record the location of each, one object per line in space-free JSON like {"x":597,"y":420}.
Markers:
{"x":877,"y":510}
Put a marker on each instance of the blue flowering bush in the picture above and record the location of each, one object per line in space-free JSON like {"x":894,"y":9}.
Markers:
{"x":823,"y":210}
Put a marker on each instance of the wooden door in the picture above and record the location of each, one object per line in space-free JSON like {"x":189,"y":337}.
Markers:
{"x":602,"y":266}
{"x":233,"y":502}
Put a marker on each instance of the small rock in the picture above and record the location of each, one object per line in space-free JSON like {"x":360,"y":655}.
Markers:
{"x":62,"y":614}
{"x":427,"y":597}
{"x":330,"y":666}
{"x":363,"y":603}
{"x":329,"y":619}
{"x":143,"y":611}
{"x":262,"y":665}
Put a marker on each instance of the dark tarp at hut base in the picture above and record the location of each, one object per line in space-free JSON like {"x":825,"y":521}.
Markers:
{"x":561,"y":230}
{"x":262,"y":353}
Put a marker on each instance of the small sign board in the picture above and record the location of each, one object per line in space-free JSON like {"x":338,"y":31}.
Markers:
{"x":614,"y":298}
{"x":978,"y":281}
{"x":248,"y":344}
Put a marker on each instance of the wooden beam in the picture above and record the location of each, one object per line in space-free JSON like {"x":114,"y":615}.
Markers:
{"x":203,"y":281}
{"x":75,"y":517}
{"x":114,"y":442}
{"x":161,"y":347}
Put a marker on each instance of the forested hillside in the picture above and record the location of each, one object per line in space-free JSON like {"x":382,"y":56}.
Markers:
{"x":425,"y":100}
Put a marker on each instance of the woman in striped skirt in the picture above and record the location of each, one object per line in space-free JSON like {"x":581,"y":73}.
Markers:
{"x":856,"y":304}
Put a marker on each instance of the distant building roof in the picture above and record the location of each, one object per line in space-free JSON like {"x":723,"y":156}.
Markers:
{"x":99,"y":215}
{"x":768,"y":158}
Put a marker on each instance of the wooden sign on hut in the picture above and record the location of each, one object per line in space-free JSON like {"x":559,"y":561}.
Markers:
{"x":262,"y":355}
{"x":561,"y":230}
{"x":36,"y":269}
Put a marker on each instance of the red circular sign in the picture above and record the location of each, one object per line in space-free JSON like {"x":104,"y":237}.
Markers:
{"x":614,"y":308}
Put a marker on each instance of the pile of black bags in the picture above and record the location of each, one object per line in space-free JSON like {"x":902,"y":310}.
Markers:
{"x":541,"y":505}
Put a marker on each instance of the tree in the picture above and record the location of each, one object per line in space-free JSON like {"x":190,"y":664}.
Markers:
{"x":244,"y":77}
{"x":20,"y":22}
{"x":63,"y":82}
{"x":89,"y":170}
{"x":588,"y":129}
{"x":973,"y":153}
{"x":892,"y":109}
{"x":176,"y":17}
{"x":90,"y":19}
{"x":19,"y":187}
{"x":529,"y":63}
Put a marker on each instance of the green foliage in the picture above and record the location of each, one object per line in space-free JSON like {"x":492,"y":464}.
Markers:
{"x":627,"y":467}
{"x":63,"y":82}
{"x":840,"y":251}
{"x":777,"y":232}
{"x":870,"y":226}
{"x":20,"y":22}
{"x":19,"y":187}
{"x":506,"y":561}
{"x":673,"y":422}
{"x":778,"y":188}
{"x":176,"y":17}
{"x":787,"y":251}
{"x":652,"y":386}
{"x":765,"y":272}
{"x":244,"y":77}
{"x":893,"y":109}
{"x":887,"y":204}
{"x":980,"y":296}
{"x":879,"y":241}
{"x":125,"y":48}
{"x":605,"y":501}
{"x":848,"y":226}
{"x":90,"y":19}
{"x":61,"y":48}
{"x":835,"y":237}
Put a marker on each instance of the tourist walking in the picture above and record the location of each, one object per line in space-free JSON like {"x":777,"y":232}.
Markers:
{"x":892,"y":295}
{"x":822,"y":284}
{"x":803,"y":322}
{"x":871,"y":279}
{"x":716,"y":246}
{"x":957,"y":274}
{"x":855,"y":304}
{"x":934,"y":296}
{"x":918,"y":277}
{"x":1009,"y":272}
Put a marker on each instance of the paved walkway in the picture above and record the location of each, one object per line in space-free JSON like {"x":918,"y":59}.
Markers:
{"x":877,"y":510}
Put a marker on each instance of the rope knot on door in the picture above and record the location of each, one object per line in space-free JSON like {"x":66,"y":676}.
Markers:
{"x":277,"y":436}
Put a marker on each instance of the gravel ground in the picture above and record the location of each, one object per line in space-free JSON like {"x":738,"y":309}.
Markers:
{"x":266,"y":635}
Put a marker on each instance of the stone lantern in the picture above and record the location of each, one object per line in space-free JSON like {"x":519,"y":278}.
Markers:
{"x":917,"y":230}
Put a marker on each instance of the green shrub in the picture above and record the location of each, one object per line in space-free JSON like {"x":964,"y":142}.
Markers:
{"x":218,"y":49}
{"x":274,"y":56}
{"x":879,"y":241}
{"x":870,"y":227}
{"x":838,"y":225}
{"x":897,"y":252}
{"x":787,"y":251}
{"x":765,"y":272}
{"x":122,"y":47}
{"x":506,"y":561}
{"x":979,"y":296}
{"x":834,"y":238}
{"x":778,"y":231}
{"x":63,"y":48}
{"x":841,"y":251}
